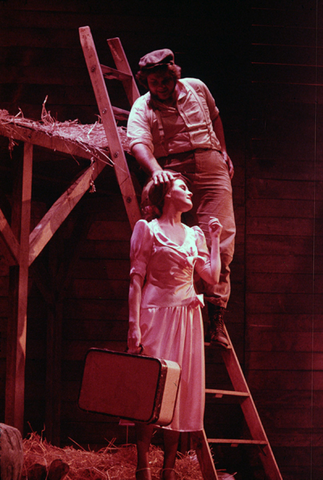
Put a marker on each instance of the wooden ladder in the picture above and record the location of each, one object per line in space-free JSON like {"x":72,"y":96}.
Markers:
{"x":243,"y":395}
{"x":98,"y":73}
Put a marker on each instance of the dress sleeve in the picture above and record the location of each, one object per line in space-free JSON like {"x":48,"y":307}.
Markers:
{"x":203,"y":261}
{"x":140,"y":248}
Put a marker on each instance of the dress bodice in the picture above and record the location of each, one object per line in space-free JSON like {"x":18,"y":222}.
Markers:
{"x":167,"y":267}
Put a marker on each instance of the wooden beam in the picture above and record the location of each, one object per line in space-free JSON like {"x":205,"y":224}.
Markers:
{"x":9,"y":239}
{"x":15,"y":390}
{"x":45,"y":140}
{"x":120,"y":114}
{"x":56,"y":215}
{"x":113,"y":74}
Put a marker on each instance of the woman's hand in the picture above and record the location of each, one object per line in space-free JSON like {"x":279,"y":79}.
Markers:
{"x":215,"y":227}
{"x":134,"y":338}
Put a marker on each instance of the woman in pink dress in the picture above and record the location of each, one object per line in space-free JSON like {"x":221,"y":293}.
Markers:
{"x":165,"y":311}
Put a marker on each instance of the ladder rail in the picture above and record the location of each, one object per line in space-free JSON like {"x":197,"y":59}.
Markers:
{"x":252,"y":418}
{"x":110,"y":127}
{"x":123,"y":66}
{"x":204,"y":455}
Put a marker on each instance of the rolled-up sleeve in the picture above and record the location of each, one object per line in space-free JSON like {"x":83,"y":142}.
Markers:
{"x":138,"y":128}
{"x":140,"y":248}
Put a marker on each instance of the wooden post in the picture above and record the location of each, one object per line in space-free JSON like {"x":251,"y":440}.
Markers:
{"x":17,"y":328}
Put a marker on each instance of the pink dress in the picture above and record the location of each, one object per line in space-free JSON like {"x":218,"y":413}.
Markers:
{"x":170,"y":319}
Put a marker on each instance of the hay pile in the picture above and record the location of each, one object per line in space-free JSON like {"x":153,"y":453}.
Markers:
{"x":110,"y":463}
{"x":91,"y":138}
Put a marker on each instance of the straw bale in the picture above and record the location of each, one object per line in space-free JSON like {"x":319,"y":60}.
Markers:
{"x":110,"y":463}
{"x":90,"y":137}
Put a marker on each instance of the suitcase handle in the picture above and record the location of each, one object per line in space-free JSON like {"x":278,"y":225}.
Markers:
{"x":139,"y":353}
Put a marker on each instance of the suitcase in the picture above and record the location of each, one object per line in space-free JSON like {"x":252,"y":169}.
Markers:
{"x":132,"y":387}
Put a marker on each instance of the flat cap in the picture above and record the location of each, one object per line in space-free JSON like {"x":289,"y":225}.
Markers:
{"x":156,"y":58}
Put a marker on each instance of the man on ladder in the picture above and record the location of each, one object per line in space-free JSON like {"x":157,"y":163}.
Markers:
{"x":176,"y":125}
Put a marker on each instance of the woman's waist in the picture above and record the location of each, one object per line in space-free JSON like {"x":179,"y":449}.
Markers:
{"x":154,"y":296}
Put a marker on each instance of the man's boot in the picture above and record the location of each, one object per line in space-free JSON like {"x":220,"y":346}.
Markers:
{"x":217,"y":333}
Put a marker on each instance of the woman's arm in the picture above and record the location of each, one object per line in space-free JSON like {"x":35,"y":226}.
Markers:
{"x":210,"y":270}
{"x":134,"y":334}
{"x":215,"y":229}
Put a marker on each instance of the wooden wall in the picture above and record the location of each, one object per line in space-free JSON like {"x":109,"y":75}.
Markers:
{"x":284,"y":231}
{"x":263,"y":66}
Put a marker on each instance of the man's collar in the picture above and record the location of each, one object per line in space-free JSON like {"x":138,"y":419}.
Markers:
{"x":157,"y":105}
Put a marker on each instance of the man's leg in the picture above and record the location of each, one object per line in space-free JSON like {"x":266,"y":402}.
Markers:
{"x":213,"y":195}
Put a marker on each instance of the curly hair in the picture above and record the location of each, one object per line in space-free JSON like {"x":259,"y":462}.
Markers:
{"x":173,"y":69}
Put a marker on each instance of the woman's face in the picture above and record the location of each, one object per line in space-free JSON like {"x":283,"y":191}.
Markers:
{"x":161,"y":85}
{"x":181,"y":196}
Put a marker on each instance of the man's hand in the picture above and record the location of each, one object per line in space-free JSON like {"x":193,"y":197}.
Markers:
{"x":162,"y":176}
{"x":228,"y":161}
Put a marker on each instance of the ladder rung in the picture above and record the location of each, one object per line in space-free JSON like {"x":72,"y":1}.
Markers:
{"x":208,"y":344}
{"x":221,"y":393}
{"x":113,"y":74}
{"x":239,"y":441}
{"x":120,"y":113}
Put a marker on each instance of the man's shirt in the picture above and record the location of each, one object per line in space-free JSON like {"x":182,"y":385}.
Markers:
{"x":169,"y":130}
